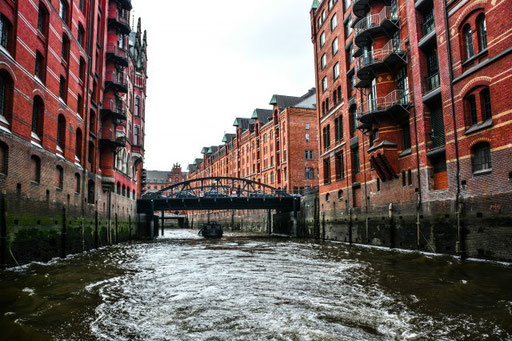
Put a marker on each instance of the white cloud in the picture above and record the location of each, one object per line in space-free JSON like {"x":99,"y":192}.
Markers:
{"x":211,"y":61}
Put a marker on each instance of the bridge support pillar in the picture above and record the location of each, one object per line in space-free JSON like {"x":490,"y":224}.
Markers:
{"x":163,"y":223}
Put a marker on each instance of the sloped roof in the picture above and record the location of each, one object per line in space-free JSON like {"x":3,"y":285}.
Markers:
{"x":262,"y":115}
{"x":228,"y":138}
{"x":159,"y":177}
{"x":243,"y":123}
{"x":284,"y":102}
{"x":315,"y":4}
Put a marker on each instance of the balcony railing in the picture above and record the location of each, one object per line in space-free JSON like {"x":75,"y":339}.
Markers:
{"x":117,"y":51}
{"x":379,"y":56}
{"x":119,"y":19}
{"x":116,"y":108}
{"x":116,"y":138}
{"x":396,"y":98}
{"x":432,"y":82}
{"x":117,"y":79}
{"x":428,"y":26}
{"x":373,"y":22}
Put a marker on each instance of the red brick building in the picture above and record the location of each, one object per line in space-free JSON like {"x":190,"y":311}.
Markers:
{"x":414,"y":111}
{"x":158,"y":180}
{"x":72,"y":94}
{"x":277,"y":147}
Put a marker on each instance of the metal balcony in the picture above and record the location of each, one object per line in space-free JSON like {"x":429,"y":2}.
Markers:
{"x":119,"y":21}
{"x":429,"y":35}
{"x":390,"y":56}
{"x":114,"y":109}
{"x":113,"y":138}
{"x":117,"y":54}
{"x":396,"y":102}
{"x":117,"y":81}
{"x":432,"y":88}
{"x":385,"y":21}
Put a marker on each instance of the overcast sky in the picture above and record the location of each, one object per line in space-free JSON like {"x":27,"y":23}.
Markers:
{"x":211,"y":61}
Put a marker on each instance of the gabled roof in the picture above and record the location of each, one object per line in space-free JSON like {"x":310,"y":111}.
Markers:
{"x":284,"y":102}
{"x":204,"y":150}
{"x":242,"y":123}
{"x":228,"y":138}
{"x":212,"y":150}
{"x":315,"y":4}
{"x":262,"y":115}
{"x":197,"y":162}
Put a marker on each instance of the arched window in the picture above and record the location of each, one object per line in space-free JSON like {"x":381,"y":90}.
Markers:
{"x":90,"y":154}
{"x":468,"y":41}
{"x":471,"y":110}
{"x":77,"y":183}
{"x":35,"y":168}
{"x":482,"y":32}
{"x":42,"y":20}
{"x":124,"y":191}
{"x":61,"y":133}
{"x":37,"y":118}
{"x":4,"y":158}
{"x":5,"y":33}
{"x":90,"y":192}
{"x":60,"y":178}
{"x":64,"y":11}
{"x":92,"y":121}
{"x":119,"y":188}
{"x":134,"y":195}
{"x":65,"y":48}
{"x":6,"y":94}
{"x":78,"y":145}
{"x":81,"y":72}
{"x":327,"y":197}
{"x":340,"y":194}
{"x":79,"y":105}
{"x":485,"y":101}
{"x":81,"y":35}
{"x":481,"y":157}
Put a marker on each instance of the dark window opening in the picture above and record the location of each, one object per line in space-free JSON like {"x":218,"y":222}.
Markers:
{"x":60,"y":178}
{"x":481,"y":157}
{"x":35,"y":167}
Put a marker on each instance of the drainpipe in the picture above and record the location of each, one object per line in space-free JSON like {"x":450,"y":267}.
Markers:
{"x":85,"y":145}
{"x":458,"y":202}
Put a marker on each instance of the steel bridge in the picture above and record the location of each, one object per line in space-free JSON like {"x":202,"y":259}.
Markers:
{"x":218,"y":193}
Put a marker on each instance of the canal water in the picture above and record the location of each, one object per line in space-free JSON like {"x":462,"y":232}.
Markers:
{"x":182,"y":287}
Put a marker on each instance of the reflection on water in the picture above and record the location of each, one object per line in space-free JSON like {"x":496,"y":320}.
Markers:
{"x":182,"y":287}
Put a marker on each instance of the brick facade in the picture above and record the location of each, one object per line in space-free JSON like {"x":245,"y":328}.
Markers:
{"x":422,"y":94}
{"x":72,"y":95}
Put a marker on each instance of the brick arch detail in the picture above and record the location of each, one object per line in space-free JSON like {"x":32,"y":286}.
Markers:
{"x":478,"y":81}
{"x":7,"y":67}
{"x":466,"y":12}
{"x":38,"y":92}
{"x":480,"y":140}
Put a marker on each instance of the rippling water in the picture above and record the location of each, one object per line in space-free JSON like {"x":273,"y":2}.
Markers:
{"x":182,"y":287}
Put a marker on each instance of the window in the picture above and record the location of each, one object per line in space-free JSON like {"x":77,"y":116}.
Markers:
{"x":323,"y":61}
{"x":61,"y":133}
{"x":90,"y":192}
{"x":482,"y":32}
{"x":310,"y":173}
{"x":334,"y":22}
{"x":272,"y":177}
{"x":322,"y":39}
{"x":81,"y":5}
{"x":350,"y":55}
{"x":4,"y":158}
{"x":6,"y":88}
{"x":39,"y":71}
{"x":92,"y":121}
{"x":81,"y":35}
{"x":468,"y":41}
{"x":335,"y":46}
{"x":336,"y":71}
{"x":406,"y":136}
{"x":307,"y":126}
{"x":309,"y":155}
{"x":327,"y":170}
{"x":324,"y":84}
{"x":35,"y":169}
{"x":481,"y":157}
{"x":77,"y":183}
{"x":348,"y":28}
{"x":485,"y":100}
{"x":347,"y":4}
{"x":355,"y":160}
{"x":79,"y":105}
{"x":136,"y":136}
{"x":37,"y":118}
{"x":81,"y":71}
{"x":60,"y":178}
{"x":327,"y":136}
{"x":5,"y":33}
{"x":137,"y":106}
{"x":42,"y":20}
{"x":78,"y":145}
{"x":338,"y":128}
{"x":473,"y":114}
{"x":353,"y":121}
{"x":63,"y":89}
{"x":65,"y":49}
{"x":307,"y":137}
{"x":409,"y":177}
{"x":64,"y":11}
{"x":339,"y":165}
